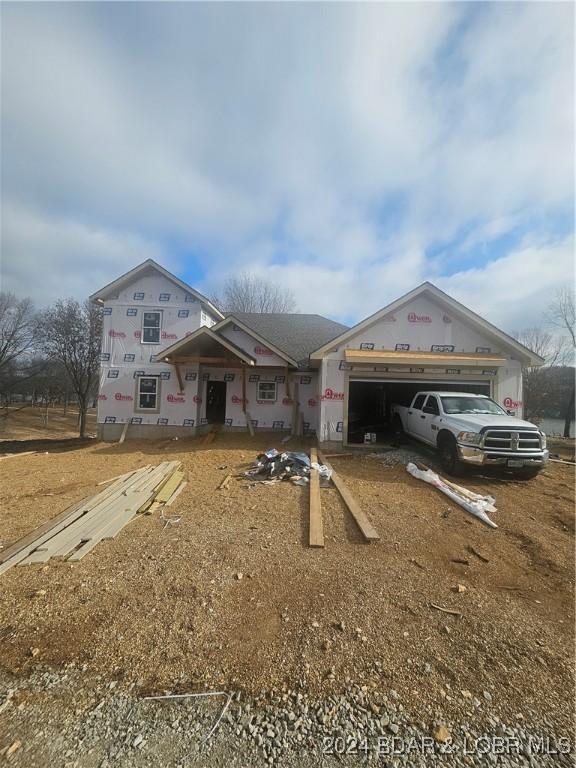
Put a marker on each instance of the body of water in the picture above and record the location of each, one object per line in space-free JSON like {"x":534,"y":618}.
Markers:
{"x":555,"y":427}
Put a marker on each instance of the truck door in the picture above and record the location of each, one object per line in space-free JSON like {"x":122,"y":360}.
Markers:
{"x":426,"y":427}
{"x":413,"y":415}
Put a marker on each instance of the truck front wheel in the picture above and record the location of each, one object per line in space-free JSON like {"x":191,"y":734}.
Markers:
{"x":449,"y":456}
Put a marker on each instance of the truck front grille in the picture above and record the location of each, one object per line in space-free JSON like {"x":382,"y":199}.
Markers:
{"x":512,"y":440}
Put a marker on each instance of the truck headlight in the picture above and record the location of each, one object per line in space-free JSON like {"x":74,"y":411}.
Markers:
{"x":471,"y":438}
{"x":542,"y":440}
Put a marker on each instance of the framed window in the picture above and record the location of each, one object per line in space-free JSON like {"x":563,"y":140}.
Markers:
{"x":419,"y":402}
{"x":148,"y":393}
{"x":266,"y":391}
{"x":151,"y":322}
{"x":431,"y":406}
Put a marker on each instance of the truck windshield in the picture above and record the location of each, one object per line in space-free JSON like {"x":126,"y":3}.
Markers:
{"x":471,"y":405}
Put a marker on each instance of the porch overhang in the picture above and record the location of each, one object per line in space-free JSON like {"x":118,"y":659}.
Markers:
{"x":423,"y":359}
{"x":205,"y":347}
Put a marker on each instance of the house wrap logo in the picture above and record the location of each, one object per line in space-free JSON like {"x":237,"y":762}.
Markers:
{"x":120,"y":396}
{"x":168,"y":335}
{"x":116,"y":334}
{"x":329,"y":394}
{"x":512,"y":404}
{"x":414,"y":318}
{"x":446,"y":319}
{"x":175,"y":399}
{"x":263,"y":351}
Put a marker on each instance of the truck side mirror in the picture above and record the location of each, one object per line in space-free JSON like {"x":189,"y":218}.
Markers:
{"x":509,"y":412}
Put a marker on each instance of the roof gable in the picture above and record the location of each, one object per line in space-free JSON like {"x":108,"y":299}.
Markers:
{"x":151,"y":267}
{"x":456,"y":308}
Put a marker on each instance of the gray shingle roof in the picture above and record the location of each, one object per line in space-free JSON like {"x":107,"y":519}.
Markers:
{"x":297,"y":335}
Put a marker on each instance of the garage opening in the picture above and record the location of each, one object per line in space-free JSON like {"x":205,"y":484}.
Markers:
{"x":369,"y":404}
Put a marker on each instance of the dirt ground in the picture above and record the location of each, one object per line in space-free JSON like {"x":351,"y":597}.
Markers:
{"x":19,"y":422}
{"x":166,"y":609}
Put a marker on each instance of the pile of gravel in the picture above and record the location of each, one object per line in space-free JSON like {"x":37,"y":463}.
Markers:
{"x":395,"y":456}
{"x":103,"y":726}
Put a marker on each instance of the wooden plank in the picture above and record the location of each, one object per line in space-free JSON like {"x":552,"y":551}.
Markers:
{"x":24,"y":546}
{"x":224,"y":484}
{"x":295,"y":410}
{"x":124,"y":431}
{"x":66,"y":535}
{"x":339,"y":455}
{"x":14,"y":455}
{"x":362,"y":521}
{"x":120,"y":477}
{"x":175,"y":495}
{"x":316,"y":527}
{"x":179,"y":377}
{"x":168,"y":488}
{"x":249,"y":424}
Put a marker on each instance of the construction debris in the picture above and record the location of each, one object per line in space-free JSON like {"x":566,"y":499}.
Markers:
{"x":445,"y":610}
{"x":275,"y":466}
{"x":474,"y":503}
{"x":77,"y":530}
{"x":473,"y":551}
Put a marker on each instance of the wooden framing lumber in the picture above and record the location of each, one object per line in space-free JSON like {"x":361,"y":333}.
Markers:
{"x":93,"y":511}
{"x":316,"y":528}
{"x":108,"y":511}
{"x":224,"y":484}
{"x":124,"y":431}
{"x":179,"y":377}
{"x":168,"y":488}
{"x":249,"y":424}
{"x":37,"y":538}
{"x":175,"y":495}
{"x":362,"y":521}
{"x":14,"y":455}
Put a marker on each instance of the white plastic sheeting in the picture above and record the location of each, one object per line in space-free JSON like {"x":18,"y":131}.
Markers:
{"x":472,"y":502}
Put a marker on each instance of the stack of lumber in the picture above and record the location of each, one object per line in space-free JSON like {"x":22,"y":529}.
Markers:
{"x":79,"y":528}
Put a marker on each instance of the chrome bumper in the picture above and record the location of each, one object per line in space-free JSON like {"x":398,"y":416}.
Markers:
{"x":479,"y":456}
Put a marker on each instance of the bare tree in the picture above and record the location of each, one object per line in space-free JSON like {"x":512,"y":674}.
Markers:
{"x":561,"y":314}
{"x":71,"y":334}
{"x":246,"y":292}
{"x":17,"y":325}
{"x":536,"y":382}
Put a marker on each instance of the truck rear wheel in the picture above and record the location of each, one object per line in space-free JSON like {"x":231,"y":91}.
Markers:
{"x":449,"y":457}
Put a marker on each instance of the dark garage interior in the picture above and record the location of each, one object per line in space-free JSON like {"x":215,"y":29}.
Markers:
{"x":369,"y":404}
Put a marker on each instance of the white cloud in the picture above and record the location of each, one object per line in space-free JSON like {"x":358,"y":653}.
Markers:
{"x":53,"y":258}
{"x":327,"y":145}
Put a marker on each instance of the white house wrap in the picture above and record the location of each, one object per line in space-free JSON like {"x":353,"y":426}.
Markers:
{"x":171,"y":362}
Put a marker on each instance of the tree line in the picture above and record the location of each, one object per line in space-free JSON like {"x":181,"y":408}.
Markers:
{"x":50,"y":355}
{"x":549,"y":390}
{"x":53,"y":355}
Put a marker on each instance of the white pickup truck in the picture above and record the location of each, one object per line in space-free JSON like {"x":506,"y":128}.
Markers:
{"x":472,"y":429}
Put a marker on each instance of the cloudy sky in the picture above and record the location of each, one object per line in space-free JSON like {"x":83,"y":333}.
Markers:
{"x":350,"y":151}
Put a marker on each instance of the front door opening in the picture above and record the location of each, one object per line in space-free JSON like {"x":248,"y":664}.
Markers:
{"x":216,"y":402}
{"x":369,"y":404}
